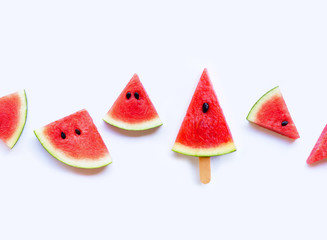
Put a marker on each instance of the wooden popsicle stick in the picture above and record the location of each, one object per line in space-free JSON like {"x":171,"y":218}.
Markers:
{"x":205,"y":172}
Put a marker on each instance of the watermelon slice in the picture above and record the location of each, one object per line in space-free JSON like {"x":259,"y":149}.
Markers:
{"x":204,"y":131}
{"x":75,"y":140}
{"x":319,"y":152}
{"x":13,"y":112}
{"x":271,"y":112}
{"x":133,"y":109}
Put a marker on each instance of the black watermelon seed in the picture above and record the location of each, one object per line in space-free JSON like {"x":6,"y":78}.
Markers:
{"x":78,"y":132}
{"x":63,"y":135}
{"x":205,"y":107}
{"x":128,"y":95}
{"x":284,"y":123}
{"x":136,"y":95}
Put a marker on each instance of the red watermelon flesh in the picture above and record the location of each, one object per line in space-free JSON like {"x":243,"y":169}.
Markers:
{"x":133,"y":109}
{"x":13,"y":111}
{"x":75,"y":141}
{"x":204,"y":133}
{"x":319,"y":152}
{"x":271,"y":112}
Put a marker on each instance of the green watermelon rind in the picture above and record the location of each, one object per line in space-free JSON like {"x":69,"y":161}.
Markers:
{"x":222,"y":149}
{"x":22,"y":121}
{"x":257,"y":106}
{"x":59,"y":155}
{"x":139,"y":126}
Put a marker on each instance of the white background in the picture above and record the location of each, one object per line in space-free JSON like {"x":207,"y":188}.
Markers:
{"x":70,"y":55}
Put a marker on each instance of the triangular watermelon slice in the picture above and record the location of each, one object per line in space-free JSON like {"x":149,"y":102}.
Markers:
{"x":13,"y":112}
{"x":75,"y":140}
{"x":319,"y":152}
{"x":133,"y":109}
{"x":271,"y":112}
{"x":204,"y":131}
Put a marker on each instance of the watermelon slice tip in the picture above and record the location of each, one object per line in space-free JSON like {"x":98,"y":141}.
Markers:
{"x":319,"y":151}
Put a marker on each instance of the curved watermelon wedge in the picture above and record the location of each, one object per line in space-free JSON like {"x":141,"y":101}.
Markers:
{"x":75,"y":140}
{"x":271,"y":112}
{"x":319,"y":152}
{"x":133,"y":109}
{"x":13,"y":113}
{"x":204,"y":131}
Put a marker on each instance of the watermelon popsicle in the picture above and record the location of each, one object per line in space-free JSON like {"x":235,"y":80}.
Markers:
{"x":204,"y":131}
